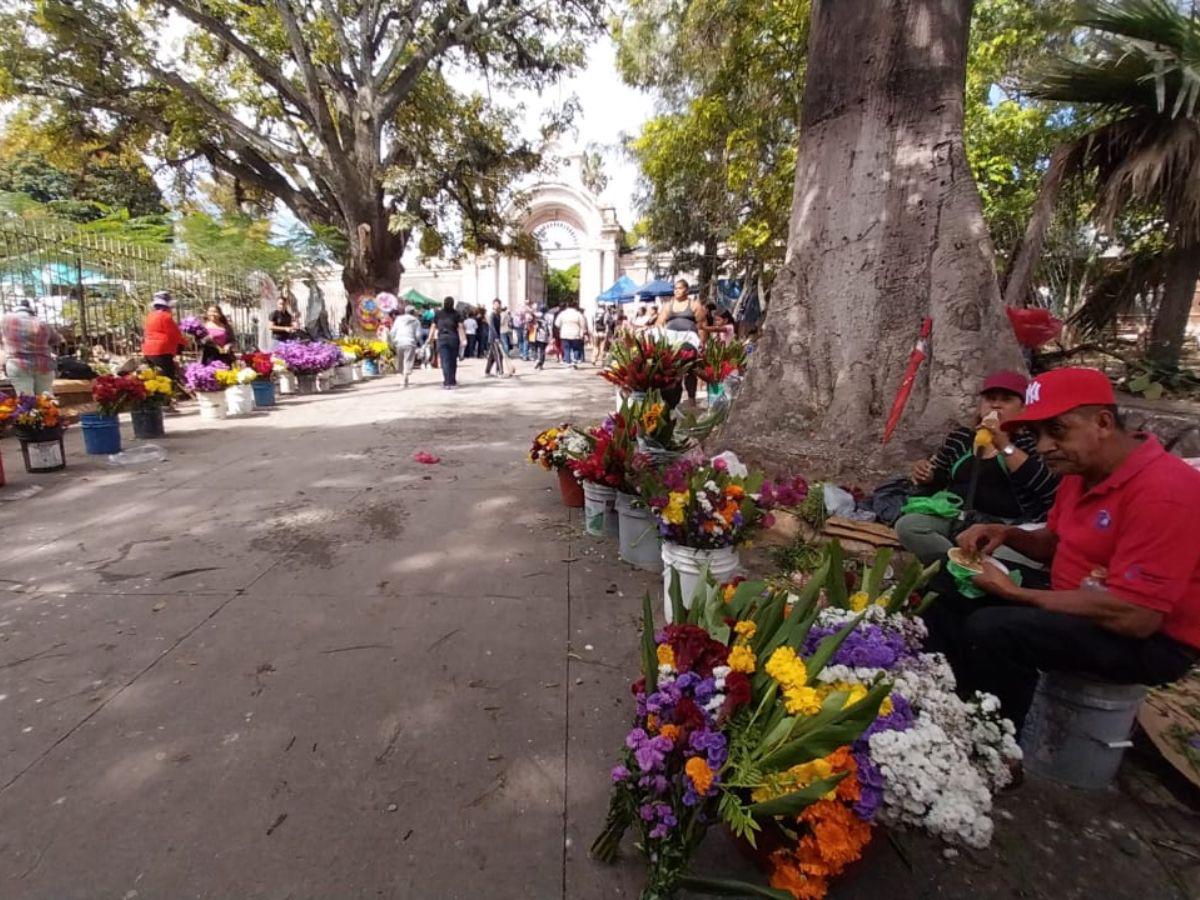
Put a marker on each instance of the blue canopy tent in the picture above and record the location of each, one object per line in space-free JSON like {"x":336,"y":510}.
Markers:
{"x":622,"y":291}
{"x":656,"y":288}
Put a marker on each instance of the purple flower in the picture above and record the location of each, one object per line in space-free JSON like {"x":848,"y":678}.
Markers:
{"x":193,"y":326}
{"x":307,"y":358}
{"x":619,"y":773}
{"x":200,"y":377}
{"x":867,"y":646}
{"x":871,"y":783}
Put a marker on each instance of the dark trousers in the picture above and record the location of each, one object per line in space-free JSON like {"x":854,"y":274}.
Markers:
{"x":448,"y":354}
{"x":472,"y":340}
{"x":539,"y":352}
{"x":572,"y":350}
{"x":166,"y":365}
{"x":1000,"y":648}
{"x":495,"y":359}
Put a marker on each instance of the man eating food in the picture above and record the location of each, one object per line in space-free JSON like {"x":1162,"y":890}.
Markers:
{"x":1123,"y":601}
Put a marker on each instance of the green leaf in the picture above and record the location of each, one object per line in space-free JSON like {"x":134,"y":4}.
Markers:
{"x":796,"y":802}
{"x":649,"y":649}
{"x":829,"y":646}
{"x":675,"y":592}
{"x":835,"y":582}
{"x":794,"y":629}
{"x":728,"y":887}
{"x":825,"y":732}
{"x":743,"y":595}
{"x":873,"y":581}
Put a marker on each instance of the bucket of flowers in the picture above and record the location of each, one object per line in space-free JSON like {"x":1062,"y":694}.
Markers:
{"x":350,"y":368}
{"x":37,"y":424}
{"x":202,"y":381}
{"x":640,"y":363}
{"x":263,"y":386}
{"x":735,"y":725}
{"x":113,"y":395}
{"x":239,"y":392}
{"x":308,"y":359}
{"x":603,"y":470}
{"x":374,"y":354}
{"x":147,"y":413}
{"x":704,"y":509}
{"x":552,"y":449}
{"x":718,"y":363}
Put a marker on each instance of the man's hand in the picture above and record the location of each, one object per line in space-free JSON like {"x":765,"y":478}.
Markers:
{"x":922,"y":471}
{"x":983,"y":538}
{"x":995,"y":582}
{"x":1000,"y":438}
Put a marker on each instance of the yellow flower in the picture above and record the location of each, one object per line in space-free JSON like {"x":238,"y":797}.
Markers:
{"x":787,"y":668}
{"x":885,"y":708}
{"x":651,"y":416}
{"x":745,"y":629}
{"x":676,"y":503}
{"x":741,"y":659}
{"x":666,"y":656}
{"x":801,"y":701}
{"x":859,"y":601}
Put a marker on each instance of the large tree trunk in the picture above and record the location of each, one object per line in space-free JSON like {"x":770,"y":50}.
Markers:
{"x":886,"y":229}
{"x":373,"y":261}
{"x":1179,"y":293}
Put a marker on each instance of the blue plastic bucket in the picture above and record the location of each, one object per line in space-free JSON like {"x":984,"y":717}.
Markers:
{"x":101,"y":434}
{"x":370,"y":367}
{"x":264,"y":392}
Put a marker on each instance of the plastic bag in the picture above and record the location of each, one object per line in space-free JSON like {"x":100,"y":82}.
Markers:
{"x":1033,"y":326}
{"x":139,"y":455}
{"x":838,"y":501}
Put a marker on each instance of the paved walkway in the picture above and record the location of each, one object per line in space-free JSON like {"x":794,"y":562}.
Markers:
{"x":292,"y":662}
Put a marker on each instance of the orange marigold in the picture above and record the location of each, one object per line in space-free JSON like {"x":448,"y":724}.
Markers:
{"x":671,"y":731}
{"x":702,"y":776}
{"x":787,"y":876}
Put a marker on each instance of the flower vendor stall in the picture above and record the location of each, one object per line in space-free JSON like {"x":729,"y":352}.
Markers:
{"x":603,"y":471}
{"x":147,"y":413}
{"x":202,"y":381}
{"x":552,"y":449}
{"x":36,"y":421}
{"x":263,"y":387}
{"x":804,"y":797}
{"x":113,"y":395}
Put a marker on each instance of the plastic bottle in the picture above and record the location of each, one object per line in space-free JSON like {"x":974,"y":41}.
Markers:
{"x":138,"y":455}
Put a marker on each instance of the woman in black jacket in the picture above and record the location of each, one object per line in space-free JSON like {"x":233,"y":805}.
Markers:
{"x":1013,"y":483}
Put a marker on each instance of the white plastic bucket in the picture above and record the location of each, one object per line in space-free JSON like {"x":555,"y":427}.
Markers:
{"x":1077,"y":729}
{"x":326,"y":380}
{"x":212,"y":404}
{"x":343,"y":374}
{"x":599,"y":514}
{"x":356,"y":372}
{"x":239,"y":401}
{"x":722,"y":564}
{"x":637,"y":532}
{"x":288,"y":383}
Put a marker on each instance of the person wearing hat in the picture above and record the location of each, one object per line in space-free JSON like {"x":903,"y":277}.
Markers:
{"x":1123,"y":600}
{"x":162,"y":340}
{"x":28,"y":350}
{"x":1012,"y":483}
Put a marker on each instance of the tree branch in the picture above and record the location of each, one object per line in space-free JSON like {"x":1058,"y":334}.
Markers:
{"x":343,"y":42}
{"x":327,"y":132}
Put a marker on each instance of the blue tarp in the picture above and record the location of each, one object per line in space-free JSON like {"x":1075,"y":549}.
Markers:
{"x":656,"y":288}
{"x":622,"y":291}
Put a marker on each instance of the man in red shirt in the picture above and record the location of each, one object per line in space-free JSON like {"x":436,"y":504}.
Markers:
{"x":1123,"y":603}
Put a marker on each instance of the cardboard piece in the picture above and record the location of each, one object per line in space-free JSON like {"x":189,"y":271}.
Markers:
{"x":1170,"y":717}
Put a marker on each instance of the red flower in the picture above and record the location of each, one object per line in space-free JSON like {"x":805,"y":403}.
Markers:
{"x":688,"y":715}
{"x":694,"y":650}
{"x":737,"y":692}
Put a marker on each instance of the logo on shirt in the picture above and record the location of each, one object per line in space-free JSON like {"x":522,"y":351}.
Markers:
{"x":1033,"y":393}
{"x":1103,"y":519}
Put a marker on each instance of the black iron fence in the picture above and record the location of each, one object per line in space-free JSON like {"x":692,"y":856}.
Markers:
{"x":96,"y":290}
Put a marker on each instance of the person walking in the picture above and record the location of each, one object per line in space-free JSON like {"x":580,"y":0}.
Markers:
{"x":507,"y":330}
{"x":484,"y":335}
{"x":497,"y":355}
{"x":163,"y":340}
{"x":28,"y":350}
{"x":405,"y":335}
{"x":540,"y":328}
{"x":573,"y":330}
{"x":525,"y":322}
{"x":448,"y":334}
{"x":471,"y":331}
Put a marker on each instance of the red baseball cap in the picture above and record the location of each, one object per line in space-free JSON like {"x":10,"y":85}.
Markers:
{"x":1062,"y":390}
{"x":1013,"y":382}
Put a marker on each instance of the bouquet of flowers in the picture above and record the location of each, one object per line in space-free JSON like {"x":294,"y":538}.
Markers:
{"x":377,"y":350}
{"x":706,"y":504}
{"x":353,"y":349}
{"x":719,"y":360}
{"x":309,"y":358}
{"x":260,"y":362}
{"x":198,"y":377}
{"x":158,"y":387}
{"x":642,"y":362}
{"x":32,"y":412}
{"x":117,"y":393}
{"x":656,"y":427}
{"x":732,"y":724}
{"x":192,"y":326}
{"x":608,"y":458}
{"x":554,"y":447}
{"x":227,"y":377}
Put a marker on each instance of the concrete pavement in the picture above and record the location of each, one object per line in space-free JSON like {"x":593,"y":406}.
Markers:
{"x":292,"y":662}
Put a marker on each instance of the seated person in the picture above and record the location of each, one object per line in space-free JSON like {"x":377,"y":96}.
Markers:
{"x":1014,"y":484}
{"x":1123,"y":603}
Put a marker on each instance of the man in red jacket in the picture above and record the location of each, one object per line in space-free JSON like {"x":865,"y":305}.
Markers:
{"x":1123,"y":603}
{"x":163,"y":340}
